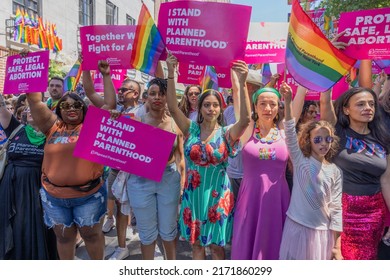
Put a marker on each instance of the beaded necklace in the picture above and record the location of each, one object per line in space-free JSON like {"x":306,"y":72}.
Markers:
{"x":271,"y":137}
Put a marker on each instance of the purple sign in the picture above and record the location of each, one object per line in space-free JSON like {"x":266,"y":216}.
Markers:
{"x":107,"y":42}
{"x":27,"y":74}
{"x":367,"y":33}
{"x":124,"y":144}
{"x":204,"y":33}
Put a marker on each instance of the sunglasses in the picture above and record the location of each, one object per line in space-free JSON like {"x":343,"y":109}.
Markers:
{"x":318,"y":139}
{"x":124,"y":89}
{"x":77,"y":105}
{"x":193,"y":93}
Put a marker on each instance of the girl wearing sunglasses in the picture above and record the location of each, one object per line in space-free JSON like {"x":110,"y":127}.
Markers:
{"x":313,"y":223}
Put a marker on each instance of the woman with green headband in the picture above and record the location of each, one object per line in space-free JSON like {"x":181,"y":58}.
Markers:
{"x":264,"y":195}
{"x":24,"y":235}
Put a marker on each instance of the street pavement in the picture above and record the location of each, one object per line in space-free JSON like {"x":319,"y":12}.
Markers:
{"x":184,"y":251}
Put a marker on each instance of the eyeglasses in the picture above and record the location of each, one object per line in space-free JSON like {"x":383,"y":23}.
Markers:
{"x":318,"y":139}
{"x":123,"y":89}
{"x":194,"y":93}
{"x":77,"y":105}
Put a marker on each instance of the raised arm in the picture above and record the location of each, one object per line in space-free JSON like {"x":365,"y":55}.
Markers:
{"x":109,"y":89}
{"x":240,"y":70}
{"x":92,"y":95}
{"x":42,"y":115}
{"x":365,"y":73}
{"x":180,"y":119}
{"x":5,"y":115}
{"x":327,"y":112}
{"x":298,"y":102}
{"x":235,"y":94}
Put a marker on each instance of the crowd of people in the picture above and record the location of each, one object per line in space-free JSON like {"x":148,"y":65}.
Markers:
{"x":272,"y":176}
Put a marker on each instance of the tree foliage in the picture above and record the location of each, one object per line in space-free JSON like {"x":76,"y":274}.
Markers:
{"x":335,"y":7}
{"x":56,"y":69}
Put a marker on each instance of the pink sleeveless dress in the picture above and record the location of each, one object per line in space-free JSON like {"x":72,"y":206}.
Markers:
{"x":262,"y":201}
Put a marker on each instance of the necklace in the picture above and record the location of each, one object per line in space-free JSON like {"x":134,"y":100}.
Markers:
{"x":271,"y":137}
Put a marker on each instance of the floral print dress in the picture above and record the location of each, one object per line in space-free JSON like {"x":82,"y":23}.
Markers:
{"x":207,"y":204}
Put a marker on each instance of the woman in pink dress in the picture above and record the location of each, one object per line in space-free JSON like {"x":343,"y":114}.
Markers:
{"x":264,"y":195}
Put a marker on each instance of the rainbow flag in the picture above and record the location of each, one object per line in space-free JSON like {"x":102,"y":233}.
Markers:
{"x":73,"y":77}
{"x":209,"y":79}
{"x":382,"y":63}
{"x":266,"y":73}
{"x":19,"y":19}
{"x":311,"y":58}
{"x":148,"y":44}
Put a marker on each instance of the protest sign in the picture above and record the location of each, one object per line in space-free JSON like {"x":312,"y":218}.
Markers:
{"x":24,"y":74}
{"x":117,"y":77}
{"x":191,"y":74}
{"x":367,"y":33}
{"x":266,"y":42}
{"x":124,"y":144}
{"x":107,"y":42}
{"x":195,"y":33}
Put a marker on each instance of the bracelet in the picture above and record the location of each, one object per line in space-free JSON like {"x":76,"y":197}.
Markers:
{"x":171,"y":77}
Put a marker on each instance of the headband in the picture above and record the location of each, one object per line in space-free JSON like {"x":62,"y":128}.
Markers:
{"x":219,"y":94}
{"x":266,"y":89}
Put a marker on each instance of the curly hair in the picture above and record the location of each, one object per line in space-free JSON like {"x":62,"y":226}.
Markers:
{"x":304,"y":138}
{"x":161,"y":83}
{"x":184,"y":104}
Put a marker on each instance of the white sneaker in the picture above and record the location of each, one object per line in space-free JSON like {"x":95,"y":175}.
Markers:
{"x":120,"y":254}
{"x":108,"y":225}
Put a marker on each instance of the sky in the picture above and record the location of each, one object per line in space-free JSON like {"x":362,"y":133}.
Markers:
{"x":266,"y":10}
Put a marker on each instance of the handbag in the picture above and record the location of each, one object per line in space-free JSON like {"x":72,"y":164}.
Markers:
{"x":4,"y":149}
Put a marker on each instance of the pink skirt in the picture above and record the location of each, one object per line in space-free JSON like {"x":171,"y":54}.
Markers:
{"x":363,"y":226}
{"x":303,"y":243}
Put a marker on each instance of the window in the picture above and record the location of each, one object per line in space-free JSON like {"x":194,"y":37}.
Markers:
{"x":130,"y":20}
{"x":30,"y":6}
{"x":111,"y":13}
{"x":86,"y":12}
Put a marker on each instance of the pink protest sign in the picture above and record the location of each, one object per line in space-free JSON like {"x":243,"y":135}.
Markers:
{"x":266,"y":42}
{"x":196,"y":33}
{"x":124,"y":144}
{"x":27,"y":74}
{"x":367,"y":33}
{"x":107,"y":42}
{"x":192,"y":73}
{"x":117,"y":77}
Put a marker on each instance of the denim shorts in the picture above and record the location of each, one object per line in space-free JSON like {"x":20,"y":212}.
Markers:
{"x":84,"y":211}
{"x":155,"y":205}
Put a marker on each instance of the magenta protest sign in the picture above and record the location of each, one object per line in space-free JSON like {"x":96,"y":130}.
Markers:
{"x":27,"y":74}
{"x":124,"y":144}
{"x":367,"y":33}
{"x":117,"y":77}
{"x":266,"y":42}
{"x":192,"y":73}
{"x":204,"y":33}
{"x":107,"y":42}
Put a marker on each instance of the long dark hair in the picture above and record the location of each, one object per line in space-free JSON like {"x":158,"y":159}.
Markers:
{"x":378,"y":130}
{"x":202,"y":97}
{"x":75,"y":97}
{"x":184,"y":104}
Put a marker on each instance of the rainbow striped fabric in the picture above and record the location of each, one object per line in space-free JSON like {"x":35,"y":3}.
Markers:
{"x":266,"y":73}
{"x":73,"y":77}
{"x":209,"y":79}
{"x":311,"y":58}
{"x":148,"y":44}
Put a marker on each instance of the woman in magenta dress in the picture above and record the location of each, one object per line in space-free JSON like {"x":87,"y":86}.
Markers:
{"x":264,"y":195}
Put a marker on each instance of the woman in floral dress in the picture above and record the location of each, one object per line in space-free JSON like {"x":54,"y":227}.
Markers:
{"x":206,"y":215}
